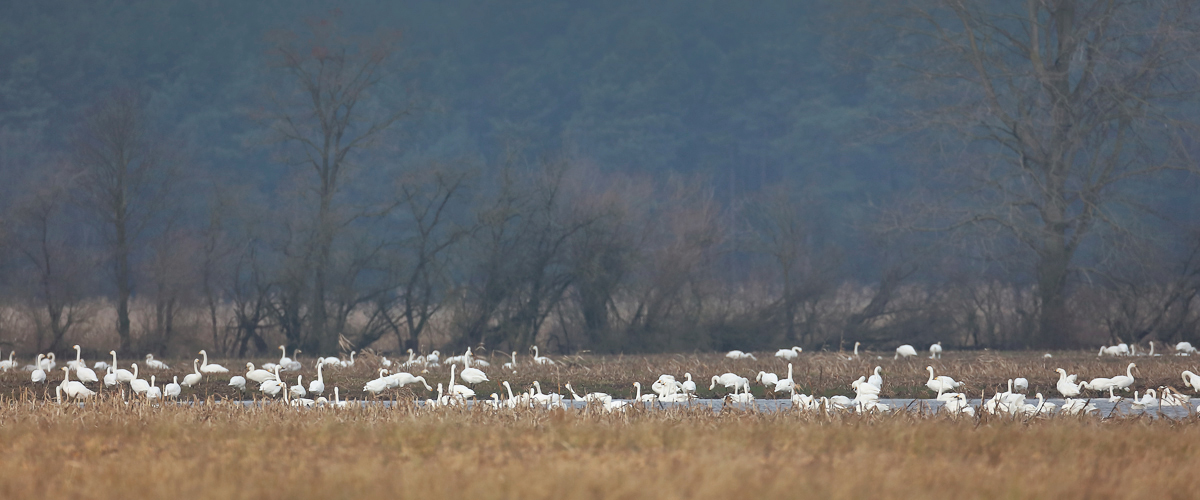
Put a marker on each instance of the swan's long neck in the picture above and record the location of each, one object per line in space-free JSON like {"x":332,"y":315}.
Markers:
{"x":639,"y":391}
{"x":78,"y":353}
{"x":135,"y":371}
{"x":535,"y":352}
{"x":1009,"y":383}
{"x":195,"y":369}
{"x":1129,"y":370}
{"x":789,"y":371}
{"x":66,"y":375}
{"x":509,"y":388}
{"x":452,"y":367}
{"x":931,"y":379}
{"x":856,"y":348}
{"x":320,"y":378}
{"x":205,"y":354}
{"x":114,"y":353}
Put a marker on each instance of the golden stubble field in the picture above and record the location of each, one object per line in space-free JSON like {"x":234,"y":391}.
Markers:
{"x":122,"y":448}
{"x":116,"y":450}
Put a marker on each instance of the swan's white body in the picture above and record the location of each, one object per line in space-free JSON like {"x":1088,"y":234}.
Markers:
{"x":539,"y":359}
{"x":1185,"y":348}
{"x":1169,"y":397}
{"x":1066,"y":384}
{"x":688,"y":385}
{"x":155,"y":364}
{"x":789,"y":354}
{"x":905,"y":351}
{"x":82,"y":372}
{"x":1149,"y":399}
{"x":402,"y":379}
{"x":297,"y":391}
{"x":191,"y":379}
{"x":786,"y":384}
{"x":594,"y":397}
{"x":511,"y":365}
{"x":238,"y":381}
{"x":39,"y":374}
{"x":1077,"y":406}
{"x":172,"y":390}
{"x":876,"y":379}
{"x":935,"y":351}
{"x":153,"y":392}
{"x":473,"y":376}
{"x":941,"y":383}
{"x":139,"y":386}
{"x":110,"y":377}
{"x":377,"y":385}
{"x":1191,"y":380}
{"x":9,"y":364}
{"x":457,"y":390}
{"x":1124,"y":381}
{"x":122,"y":374}
{"x":736,"y":354}
{"x":767,"y":379}
{"x":74,"y":389}
{"x":317,"y":386}
{"x":729,"y":380}
{"x":273,"y":386}
{"x":257,"y":375}
{"x":205,"y":367}
{"x":1021,"y":383}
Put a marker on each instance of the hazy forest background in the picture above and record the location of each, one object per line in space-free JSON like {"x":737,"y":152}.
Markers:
{"x":611,"y":176}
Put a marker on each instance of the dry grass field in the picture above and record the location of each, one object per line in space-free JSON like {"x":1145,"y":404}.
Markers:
{"x":119,"y":448}
{"x":116,"y":450}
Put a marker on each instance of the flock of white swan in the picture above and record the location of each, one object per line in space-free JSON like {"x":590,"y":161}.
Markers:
{"x":269,"y":381}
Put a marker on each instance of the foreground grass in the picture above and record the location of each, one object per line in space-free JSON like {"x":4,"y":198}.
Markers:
{"x":111,"y":450}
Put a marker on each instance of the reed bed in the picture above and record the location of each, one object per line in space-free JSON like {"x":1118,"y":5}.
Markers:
{"x":111,"y":448}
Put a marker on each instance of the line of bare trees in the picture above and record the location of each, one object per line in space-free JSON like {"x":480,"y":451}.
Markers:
{"x":1059,"y":116}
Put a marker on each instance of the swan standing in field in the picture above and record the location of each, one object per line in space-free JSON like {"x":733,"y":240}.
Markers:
{"x":511,"y":365}
{"x":736,"y":354}
{"x":539,"y":359}
{"x":458,"y":390}
{"x":688,"y":386}
{"x":1191,"y":380}
{"x":1066,"y":384}
{"x":1021,"y":383}
{"x":935,"y":351}
{"x":729,"y":380}
{"x":110,"y":377}
{"x":1098,"y":384}
{"x":377,"y":385}
{"x":787,"y":384}
{"x":789,"y":354}
{"x":191,"y":379}
{"x":238,"y":381}
{"x":876,"y":379}
{"x":941,"y":383}
{"x":594,"y":397}
{"x":123,"y":375}
{"x":9,"y":363}
{"x":38,"y":375}
{"x":958,"y":405}
{"x":139,"y":386}
{"x":473,"y":376}
{"x":153,"y":392}
{"x":1149,"y":399}
{"x":1041,"y":408}
{"x":905,"y":351}
{"x":172,"y":390}
{"x":1184,"y":348}
{"x":273,"y":386}
{"x":72,"y":388}
{"x":155,"y":364}
{"x":257,"y":375}
{"x":401,"y":379}
{"x":767,"y":379}
{"x":1124,"y":381}
{"x":1169,"y":397}
{"x":1077,"y":406}
{"x":856,"y":344}
{"x":297,"y":391}
{"x":317,"y":386}
{"x":205,"y":367}
{"x":78,"y":361}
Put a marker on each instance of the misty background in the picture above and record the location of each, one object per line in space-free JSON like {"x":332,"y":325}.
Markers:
{"x":610,"y":177}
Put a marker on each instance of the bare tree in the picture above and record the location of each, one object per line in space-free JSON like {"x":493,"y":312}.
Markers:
{"x":1053,"y":114}
{"x":127,"y":177}
{"x":327,"y":116}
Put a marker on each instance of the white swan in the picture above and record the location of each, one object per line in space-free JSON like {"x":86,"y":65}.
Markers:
{"x":1185,"y":347}
{"x":317,"y":386}
{"x":541,"y":360}
{"x":238,"y":381}
{"x":688,"y":385}
{"x":257,"y":375}
{"x":8,"y":364}
{"x":123,"y":375}
{"x":935,"y":351}
{"x":729,"y":380}
{"x":736,"y":354}
{"x":1098,"y":384}
{"x":297,"y":391}
{"x":458,"y":390}
{"x":348,"y":363}
{"x":1191,"y":380}
{"x":789,"y":354}
{"x":511,"y":365}
{"x":155,"y":364}
{"x":1066,"y":384}
{"x":110,"y":377}
{"x":1077,"y":406}
{"x":767,"y":379}
{"x":594,"y":397}
{"x":82,"y":372}
{"x":906,"y":351}
{"x":786,"y":384}
{"x":1021,"y":383}
{"x":1169,"y":397}
{"x":377,"y":385}
{"x":38,"y":375}
{"x":1124,"y":381}
{"x":205,"y":367}
{"x":139,"y":386}
{"x":273,"y":386}
{"x":473,"y":376}
{"x":73,"y":388}
{"x":153,"y":392}
{"x":1149,"y":399}
{"x":401,"y":379}
{"x":191,"y":379}
{"x":172,"y":390}
{"x":943,"y":382}
{"x":876,"y":379}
